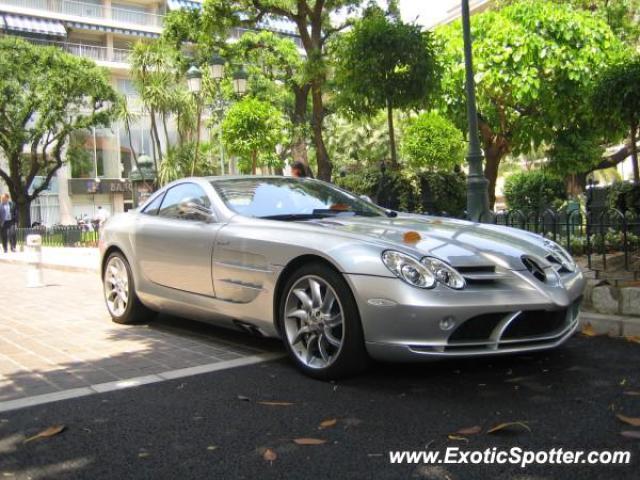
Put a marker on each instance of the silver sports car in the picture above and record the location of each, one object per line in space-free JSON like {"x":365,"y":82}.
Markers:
{"x":337,"y":278}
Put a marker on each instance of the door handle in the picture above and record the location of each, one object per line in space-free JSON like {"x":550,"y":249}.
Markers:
{"x":225,"y":242}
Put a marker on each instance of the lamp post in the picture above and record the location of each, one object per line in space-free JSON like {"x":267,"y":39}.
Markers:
{"x":194,"y":82}
{"x":477,"y":184}
{"x":240,"y":81}
{"x":216,"y":68}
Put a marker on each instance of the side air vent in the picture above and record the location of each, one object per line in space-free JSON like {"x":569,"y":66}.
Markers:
{"x":556,"y":263}
{"x":536,"y":270}
{"x":480,"y":274}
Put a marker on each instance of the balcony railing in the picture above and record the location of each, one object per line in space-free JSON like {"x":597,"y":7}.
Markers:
{"x":90,"y":10}
{"x":94,"y":52}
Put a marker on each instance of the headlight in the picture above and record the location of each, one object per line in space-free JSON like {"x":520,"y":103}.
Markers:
{"x":423,"y":274}
{"x":560,"y":254}
{"x":444,"y":273}
{"x":408,"y":269}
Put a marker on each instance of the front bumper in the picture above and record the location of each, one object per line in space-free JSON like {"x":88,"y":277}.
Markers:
{"x":403,"y":323}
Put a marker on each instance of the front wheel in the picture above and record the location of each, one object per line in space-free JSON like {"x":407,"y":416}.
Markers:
{"x":320,"y":324}
{"x":119,"y":292}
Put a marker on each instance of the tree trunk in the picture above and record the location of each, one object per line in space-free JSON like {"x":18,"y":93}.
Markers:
{"x":23,"y":204}
{"x":254,"y":162}
{"x":322,"y":156}
{"x":634,"y":155}
{"x":299,"y":119}
{"x":157,"y":158}
{"x":575,"y":184}
{"x":495,"y":147}
{"x":493,"y":156}
{"x":392,"y":136}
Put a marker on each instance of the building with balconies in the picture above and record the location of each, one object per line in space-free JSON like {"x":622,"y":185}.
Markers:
{"x":103,"y":31}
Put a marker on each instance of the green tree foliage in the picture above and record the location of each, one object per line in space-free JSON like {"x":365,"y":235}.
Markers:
{"x":45,"y":95}
{"x":357,"y":143}
{"x":313,"y":22}
{"x":534,"y":190}
{"x":276,"y":75}
{"x":575,"y":150}
{"x":406,"y":190}
{"x":432,"y":142}
{"x":383,"y":63}
{"x":617,"y":99}
{"x":535,"y":62}
{"x":252,"y":129}
{"x":621,"y":15}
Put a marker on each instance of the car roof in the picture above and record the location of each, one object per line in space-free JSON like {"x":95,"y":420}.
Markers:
{"x":257,"y":177}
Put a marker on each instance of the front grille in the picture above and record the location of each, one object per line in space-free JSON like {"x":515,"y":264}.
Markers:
{"x":535,"y":323}
{"x":476,"y":328}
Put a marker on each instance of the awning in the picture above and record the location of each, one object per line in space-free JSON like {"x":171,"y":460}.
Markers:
{"x":40,"y":26}
{"x":104,"y":28}
{"x":178,"y":4}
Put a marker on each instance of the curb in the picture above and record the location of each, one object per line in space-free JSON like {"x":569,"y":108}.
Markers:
{"x":612,"y":325}
{"x":53,"y":266}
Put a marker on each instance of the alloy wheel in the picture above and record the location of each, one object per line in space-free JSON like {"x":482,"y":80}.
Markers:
{"x":314,"y":322}
{"x":116,"y":286}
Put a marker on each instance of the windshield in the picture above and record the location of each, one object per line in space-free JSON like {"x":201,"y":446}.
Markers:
{"x":289,"y":198}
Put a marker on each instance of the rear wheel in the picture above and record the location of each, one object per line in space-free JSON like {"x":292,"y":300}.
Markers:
{"x":119,"y":292}
{"x":320,"y":324}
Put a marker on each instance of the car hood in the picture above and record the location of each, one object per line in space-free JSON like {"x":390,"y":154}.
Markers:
{"x":461,"y":243}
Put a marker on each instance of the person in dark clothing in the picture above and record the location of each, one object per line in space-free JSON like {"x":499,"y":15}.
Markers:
{"x":298,"y":170}
{"x":8,"y":220}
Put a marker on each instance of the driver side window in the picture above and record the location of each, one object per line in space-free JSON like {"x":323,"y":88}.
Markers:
{"x":170,"y":207}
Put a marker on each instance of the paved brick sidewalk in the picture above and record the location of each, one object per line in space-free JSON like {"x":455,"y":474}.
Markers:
{"x":62,"y":258}
{"x":61,"y":337}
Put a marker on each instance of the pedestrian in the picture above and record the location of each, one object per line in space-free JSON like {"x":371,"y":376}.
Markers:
{"x":8,"y":218}
{"x":298,"y":170}
{"x":101,"y":216}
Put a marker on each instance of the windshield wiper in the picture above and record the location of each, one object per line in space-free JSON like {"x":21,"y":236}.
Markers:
{"x":336,"y":211}
{"x":295,"y":216}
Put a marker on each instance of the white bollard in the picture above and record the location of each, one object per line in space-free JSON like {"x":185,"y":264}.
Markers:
{"x":34,"y":271}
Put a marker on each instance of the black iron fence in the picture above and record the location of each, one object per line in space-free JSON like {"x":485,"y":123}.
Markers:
{"x":61,"y":236}
{"x":598,"y":235}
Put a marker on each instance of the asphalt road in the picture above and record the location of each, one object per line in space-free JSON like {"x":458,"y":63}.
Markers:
{"x":213,"y":426}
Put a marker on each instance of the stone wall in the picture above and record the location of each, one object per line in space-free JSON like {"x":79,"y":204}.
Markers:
{"x":601,"y":297}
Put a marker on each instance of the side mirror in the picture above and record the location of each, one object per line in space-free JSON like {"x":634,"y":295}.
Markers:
{"x":194,"y":207}
{"x":366,"y":198}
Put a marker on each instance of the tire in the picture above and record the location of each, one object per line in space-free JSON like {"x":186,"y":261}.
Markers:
{"x":312,"y":333}
{"x":123,"y":304}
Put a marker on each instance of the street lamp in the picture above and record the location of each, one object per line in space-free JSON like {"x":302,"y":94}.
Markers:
{"x":477,"y":184}
{"x":240,"y":81}
{"x":216,"y":67}
{"x":194,"y":80}
{"x":194,"y":83}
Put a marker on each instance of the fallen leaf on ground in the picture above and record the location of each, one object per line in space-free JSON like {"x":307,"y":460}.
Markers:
{"x":509,"y":426}
{"x":46,"y":433}
{"x":632,"y":393}
{"x":470,"y":430}
{"x":269,"y":455}
{"x":276,"y":404}
{"x":309,"y":441}
{"x":143,"y":454}
{"x":634,"y":421}
{"x":212,"y":447}
{"x":631,"y":434}
{"x":588,"y":331}
{"x":329,"y":422}
{"x":457,"y":438}
{"x":242,"y":398}
{"x":633,"y":338}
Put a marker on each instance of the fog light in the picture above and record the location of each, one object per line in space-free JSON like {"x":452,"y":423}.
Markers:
{"x":447,"y":323}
